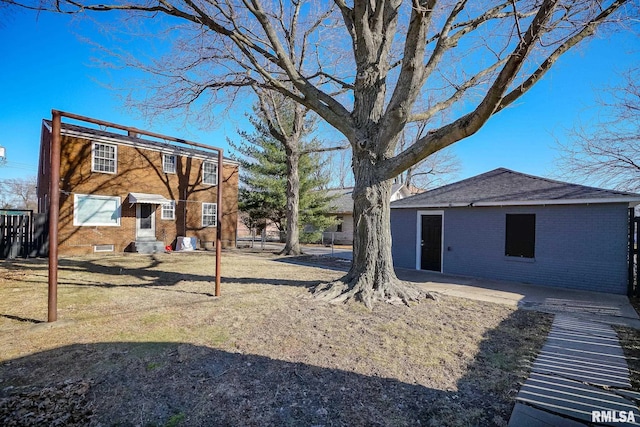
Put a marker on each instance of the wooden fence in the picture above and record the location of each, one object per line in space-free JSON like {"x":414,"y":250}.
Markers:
{"x":22,"y":234}
{"x":634,"y":251}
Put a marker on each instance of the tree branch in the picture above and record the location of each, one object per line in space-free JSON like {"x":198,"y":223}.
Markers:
{"x":458,"y":94}
{"x":325,"y":149}
{"x":587,"y":31}
{"x":470,"y":123}
{"x":271,"y":116}
{"x":412,"y":70}
{"x":348,"y":18}
{"x":323,"y":104}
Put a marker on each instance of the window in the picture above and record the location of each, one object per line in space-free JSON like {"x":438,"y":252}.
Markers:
{"x":209,"y":214}
{"x":520,"y":235}
{"x":169,"y":163}
{"x":339,"y":225}
{"x":92,"y":210}
{"x":104,"y":157}
{"x":168,"y":210}
{"x":209,"y":173}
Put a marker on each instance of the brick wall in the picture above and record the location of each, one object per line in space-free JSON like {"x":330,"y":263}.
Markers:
{"x":577,"y":246}
{"x":403,"y":237}
{"x":140,"y":170}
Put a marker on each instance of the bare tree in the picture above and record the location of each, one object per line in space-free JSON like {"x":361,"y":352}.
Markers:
{"x":19,"y":193}
{"x":6,"y":14}
{"x":366,"y":67}
{"x":608,"y":153}
{"x":341,"y":171}
{"x":438,"y":169}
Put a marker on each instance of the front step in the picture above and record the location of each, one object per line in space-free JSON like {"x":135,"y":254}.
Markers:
{"x":149,"y":246}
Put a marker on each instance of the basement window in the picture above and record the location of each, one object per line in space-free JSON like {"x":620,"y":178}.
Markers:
{"x":103,"y":248}
{"x":520,"y":234}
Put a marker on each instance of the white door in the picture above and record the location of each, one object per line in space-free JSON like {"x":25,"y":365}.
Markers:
{"x":145,"y":221}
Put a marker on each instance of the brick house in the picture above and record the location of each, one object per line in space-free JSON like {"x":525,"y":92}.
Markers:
{"x":510,"y":226}
{"x":121,"y":192}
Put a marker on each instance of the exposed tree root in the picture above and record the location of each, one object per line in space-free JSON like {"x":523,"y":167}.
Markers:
{"x":291,"y":251}
{"x":360,"y":288}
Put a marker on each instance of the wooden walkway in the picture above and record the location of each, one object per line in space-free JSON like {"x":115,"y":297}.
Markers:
{"x":579,"y":378}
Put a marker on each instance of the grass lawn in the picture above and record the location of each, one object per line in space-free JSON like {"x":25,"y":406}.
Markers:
{"x":141,"y":340}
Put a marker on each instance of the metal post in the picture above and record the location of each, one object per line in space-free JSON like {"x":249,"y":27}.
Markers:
{"x":219,"y":223}
{"x":54,"y":193}
{"x":333,"y":236}
{"x":54,"y":211}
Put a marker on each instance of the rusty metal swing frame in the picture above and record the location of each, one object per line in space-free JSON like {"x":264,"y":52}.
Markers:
{"x":54,"y":196}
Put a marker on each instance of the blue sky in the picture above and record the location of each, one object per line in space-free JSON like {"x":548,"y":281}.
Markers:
{"x":46,"y":66}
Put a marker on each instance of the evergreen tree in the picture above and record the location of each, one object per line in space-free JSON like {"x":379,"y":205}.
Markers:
{"x":263,"y":179}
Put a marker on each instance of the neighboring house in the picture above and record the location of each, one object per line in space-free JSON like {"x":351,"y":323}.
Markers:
{"x":270,"y":231}
{"x":121,"y":192}
{"x":511,"y":226}
{"x":341,"y":207}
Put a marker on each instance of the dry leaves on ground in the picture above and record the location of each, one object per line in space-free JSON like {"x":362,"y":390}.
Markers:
{"x":152,"y":346}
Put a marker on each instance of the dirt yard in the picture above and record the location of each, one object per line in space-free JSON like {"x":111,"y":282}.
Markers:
{"x":142,"y":341}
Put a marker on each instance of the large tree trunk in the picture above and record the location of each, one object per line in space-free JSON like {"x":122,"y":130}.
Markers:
{"x":371,"y":277}
{"x":292,"y":240}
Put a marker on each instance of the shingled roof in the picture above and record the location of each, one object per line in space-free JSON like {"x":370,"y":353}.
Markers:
{"x":343,"y":202}
{"x":136,"y":141}
{"x":504,"y":187}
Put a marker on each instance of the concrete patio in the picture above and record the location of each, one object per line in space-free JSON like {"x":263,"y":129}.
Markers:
{"x":594,"y":306}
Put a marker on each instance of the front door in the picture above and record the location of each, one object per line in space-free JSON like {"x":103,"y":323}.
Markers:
{"x":145,"y":221}
{"x":431,"y":243}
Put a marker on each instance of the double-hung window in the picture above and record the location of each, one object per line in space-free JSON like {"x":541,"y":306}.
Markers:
{"x":209,"y":214}
{"x":92,"y":210}
{"x":169,"y":163}
{"x":168,"y":210}
{"x":104,"y":157}
{"x":209,"y":173}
